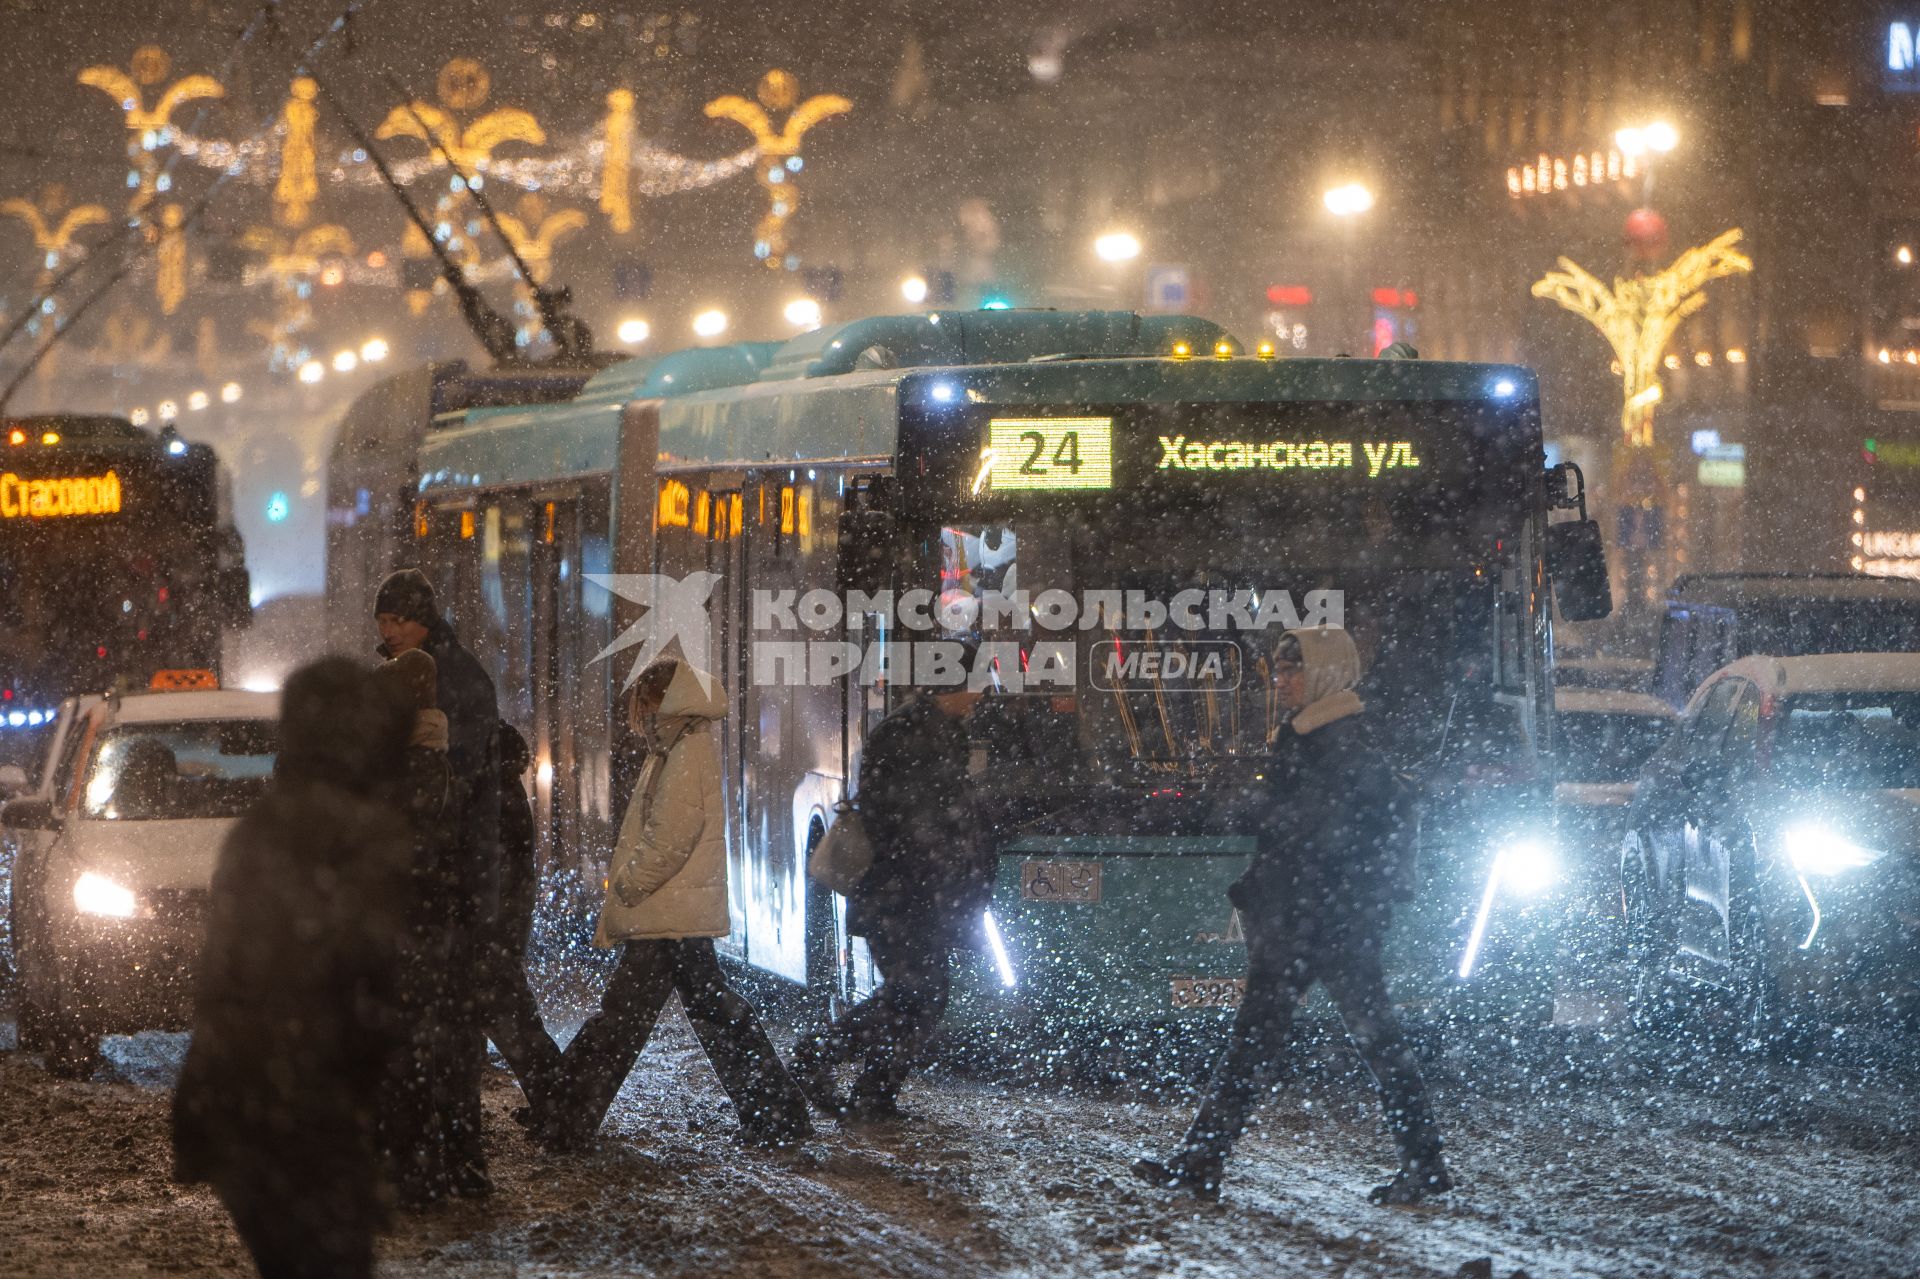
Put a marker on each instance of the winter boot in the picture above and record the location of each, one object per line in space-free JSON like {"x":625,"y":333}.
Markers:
{"x":1200,"y":1177}
{"x":1414,"y":1182}
{"x":812,"y":1072}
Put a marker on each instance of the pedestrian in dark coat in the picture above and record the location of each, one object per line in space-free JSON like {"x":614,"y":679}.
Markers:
{"x":295,"y":1014}
{"x":414,"y":1116}
{"x":931,"y":878}
{"x":666,"y":902}
{"x":1314,"y":905}
{"x":513,"y":1016}
{"x":409,"y":617}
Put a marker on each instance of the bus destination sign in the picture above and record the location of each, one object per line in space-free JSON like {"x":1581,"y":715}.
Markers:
{"x":1049,"y":453}
{"x":1179,"y":453}
{"x":51,"y":498}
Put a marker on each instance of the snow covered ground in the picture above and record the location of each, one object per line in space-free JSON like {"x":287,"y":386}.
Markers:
{"x":1577,"y":1155}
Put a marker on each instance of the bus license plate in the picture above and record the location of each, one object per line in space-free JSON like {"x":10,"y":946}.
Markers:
{"x":1060,"y":881}
{"x":1208,"y":992}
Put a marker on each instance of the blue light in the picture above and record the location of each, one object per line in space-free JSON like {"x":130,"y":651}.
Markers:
{"x":16,"y":719}
{"x":34,"y":718}
{"x":176,"y":447}
{"x":1705,"y":440}
{"x":995,"y":303}
{"x":943,"y":392}
{"x":278,"y":508}
{"x":1504,"y":388}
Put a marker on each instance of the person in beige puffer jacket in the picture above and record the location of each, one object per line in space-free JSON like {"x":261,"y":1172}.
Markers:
{"x":666,"y":902}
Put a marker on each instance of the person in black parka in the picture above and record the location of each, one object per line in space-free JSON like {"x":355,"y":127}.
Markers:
{"x":513,"y":1013}
{"x":931,"y":878}
{"x":1314,"y":905}
{"x":295,"y":1012}
{"x":468,"y":899}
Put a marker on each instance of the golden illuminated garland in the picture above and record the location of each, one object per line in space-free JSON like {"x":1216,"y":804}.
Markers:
{"x":148,"y":127}
{"x":779,"y":149}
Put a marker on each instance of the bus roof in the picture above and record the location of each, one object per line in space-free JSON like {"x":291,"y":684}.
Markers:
{"x":817,"y":398}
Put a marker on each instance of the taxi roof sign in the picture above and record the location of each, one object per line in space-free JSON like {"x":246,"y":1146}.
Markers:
{"x":182,"y":681}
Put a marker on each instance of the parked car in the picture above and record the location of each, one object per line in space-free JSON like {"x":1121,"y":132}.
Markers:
{"x":1768,"y":871}
{"x":1715,"y":618}
{"x":112,"y":855}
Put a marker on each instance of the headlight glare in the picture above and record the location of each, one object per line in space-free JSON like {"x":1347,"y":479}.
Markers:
{"x":97,"y":895}
{"x":1528,"y":867}
{"x":1817,"y":849}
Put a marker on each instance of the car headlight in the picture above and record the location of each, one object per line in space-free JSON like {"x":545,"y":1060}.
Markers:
{"x":1527,"y":867}
{"x":97,"y":895}
{"x":1815,"y":848}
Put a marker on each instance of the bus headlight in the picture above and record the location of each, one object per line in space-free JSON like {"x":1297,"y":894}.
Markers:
{"x":1817,"y":849}
{"x":97,"y":895}
{"x":1527,"y":867}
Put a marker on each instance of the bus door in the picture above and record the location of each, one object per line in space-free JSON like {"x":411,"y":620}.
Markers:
{"x":554,"y":736}
{"x":727,"y":651}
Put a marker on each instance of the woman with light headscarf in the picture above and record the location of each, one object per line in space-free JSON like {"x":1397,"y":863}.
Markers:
{"x":1314,"y":907}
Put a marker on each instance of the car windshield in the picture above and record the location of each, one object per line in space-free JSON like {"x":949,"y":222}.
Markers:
{"x":173,"y":771}
{"x":1850,"y":739}
{"x":1603,"y":747}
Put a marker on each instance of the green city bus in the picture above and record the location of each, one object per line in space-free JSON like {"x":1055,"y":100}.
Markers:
{"x":1174,"y":499}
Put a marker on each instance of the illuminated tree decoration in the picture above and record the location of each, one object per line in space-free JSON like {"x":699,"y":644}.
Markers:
{"x":535,"y":232}
{"x":299,"y":184}
{"x":170,"y":280}
{"x":779,"y":149}
{"x":1638,"y":317}
{"x":148,"y":128}
{"x":616,"y":165}
{"x":53,"y":228}
{"x":463,"y":86}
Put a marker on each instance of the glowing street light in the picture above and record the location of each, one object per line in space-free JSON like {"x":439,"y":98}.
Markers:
{"x":803,"y":313}
{"x":374,"y":350}
{"x":710,"y":324}
{"x":230,"y":393}
{"x":914,"y":289}
{"x":1117,"y":246}
{"x":1348,"y":200}
{"x":633,"y":331}
{"x":168,"y":410}
{"x":345,"y":362}
{"x":312,"y":371}
{"x":196,"y":401}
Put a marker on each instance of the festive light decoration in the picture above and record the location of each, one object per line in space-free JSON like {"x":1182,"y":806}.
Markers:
{"x":170,"y":279}
{"x":463,"y":85}
{"x":779,"y":149}
{"x":148,"y":128}
{"x":52,"y":226}
{"x":298,"y":186}
{"x":616,"y":164}
{"x":535,"y":232}
{"x":1638,"y":316}
{"x":1548,"y":174}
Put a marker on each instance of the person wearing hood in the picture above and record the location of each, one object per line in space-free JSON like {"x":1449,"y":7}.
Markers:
{"x":666,"y":900}
{"x":467,"y":898}
{"x":295,"y":1011}
{"x":931,"y":879}
{"x":1314,"y":905}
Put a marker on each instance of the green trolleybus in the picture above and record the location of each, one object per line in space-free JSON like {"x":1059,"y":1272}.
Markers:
{"x":1121,"y":512}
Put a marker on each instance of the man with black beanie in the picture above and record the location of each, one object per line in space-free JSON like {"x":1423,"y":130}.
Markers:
{"x":467,"y":901}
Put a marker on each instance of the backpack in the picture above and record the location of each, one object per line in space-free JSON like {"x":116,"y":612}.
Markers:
{"x":844,"y":854}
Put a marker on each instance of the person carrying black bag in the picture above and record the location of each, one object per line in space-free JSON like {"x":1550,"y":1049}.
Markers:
{"x":666,"y":902}
{"x":932,"y":876}
{"x":1315,"y":906}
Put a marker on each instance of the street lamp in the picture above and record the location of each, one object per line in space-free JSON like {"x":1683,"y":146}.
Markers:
{"x":1117,"y":246}
{"x":633,"y":331}
{"x":914,"y":289}
{"x":373,"y":350}
{"x":1347,"y":202}
{"x":710,"y":324}
{"x":310,"y":372}
{"x":803,"y":313}
{"x":345,"y":362}
{"x":230,"y":393}
{"x":1659,"y":137}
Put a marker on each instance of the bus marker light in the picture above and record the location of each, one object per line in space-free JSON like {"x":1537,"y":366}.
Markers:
{"x":50,"y":437}
{"x":1503,"y":388}
{"x":1264,"y":351}
{"x":1223,"y":350}
{"x":16,"y":436}
{"x":1182,"y":351}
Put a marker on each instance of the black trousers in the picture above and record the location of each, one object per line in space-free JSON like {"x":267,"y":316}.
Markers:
{"x":600,"y":1057}
{"x":307,"y":1232}
{"x":513,"y":1023}
{"x":1284,"y":959}
{"x":429,"y":1124}
{"x":888,"y":1031}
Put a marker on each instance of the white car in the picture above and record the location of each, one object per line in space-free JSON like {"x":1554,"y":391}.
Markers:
{"x":113,"y":849}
